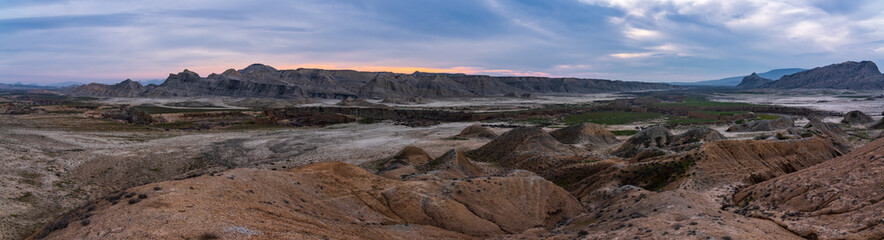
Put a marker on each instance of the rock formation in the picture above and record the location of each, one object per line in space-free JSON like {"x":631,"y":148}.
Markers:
{"x":528,"y":148}
{"x":754,"y":81}
{"x":258,"y":80}
{"x":848,"y":75}
{"x":763,"y":125}
{"x":589,"y":134}
{"x":856,"y":117}
{"x":657,"y":140}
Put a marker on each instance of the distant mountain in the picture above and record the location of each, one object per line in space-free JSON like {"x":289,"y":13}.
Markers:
{"x":258,"y":80}
{"x":754,"y":81}
{"x":847,"y":75}
{"x":127,"y":88}
{"x":152,"y":81}
{"x":734,"y":81}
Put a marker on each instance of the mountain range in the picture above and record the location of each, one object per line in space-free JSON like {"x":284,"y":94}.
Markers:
{"x":852,"y":75}
{"x":734,"y":81}
{"x":258,"y":80}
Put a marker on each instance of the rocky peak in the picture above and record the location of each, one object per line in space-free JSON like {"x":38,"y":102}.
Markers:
{"x":257,"y":67}
{"x":847,"y":75}
{"x":754,"y":81}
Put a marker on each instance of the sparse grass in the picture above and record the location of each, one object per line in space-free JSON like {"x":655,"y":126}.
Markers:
{"x":624,"y":132}
{"x":26,"y":197}
{"x":610,"y":117}
{"x":655,"y":176}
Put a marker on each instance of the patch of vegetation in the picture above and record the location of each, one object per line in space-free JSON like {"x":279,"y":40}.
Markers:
{"x":376,"y":165}
{"x":455,"y":138}
{"x":853,"y":96}
{"x":176,"y":125}
{"x":725,"y":113}
{"x":624,"y":132}
{"x":610,"y":117}
{"x":683,"y":120}
{"x":150,"y":109}
{"x":367,"y":120}
{"x":65,"y":112}
{"x":698,"y":101}
{"x":655,"y":176}
{"x":762,"y":116}
{"x":541,"y":122}
{"x":26,"y":197}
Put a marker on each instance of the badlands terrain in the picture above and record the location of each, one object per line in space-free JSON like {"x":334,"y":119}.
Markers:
{"x":182,"y":162}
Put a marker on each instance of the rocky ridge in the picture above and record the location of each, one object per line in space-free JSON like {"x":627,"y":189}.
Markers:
{"x":258,"y":80}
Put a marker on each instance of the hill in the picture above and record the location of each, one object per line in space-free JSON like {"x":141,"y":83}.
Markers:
{"x":734,"y":81}
{"x":258,"y":80}
{"x":846,"y":75}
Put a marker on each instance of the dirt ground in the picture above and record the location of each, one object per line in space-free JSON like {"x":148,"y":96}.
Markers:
{"x":53,"y":162}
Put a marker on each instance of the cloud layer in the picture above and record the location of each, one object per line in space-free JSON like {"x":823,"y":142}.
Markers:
{"x":664,"y":40}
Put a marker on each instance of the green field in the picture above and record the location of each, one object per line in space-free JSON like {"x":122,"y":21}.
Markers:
{"x":159,"y":109}
{"x":724,"y":112}
{"x":610,"y":117}
{"x":767,"y":116}
{"x":681,"y":120}
{"x":624,"y":132}
{"x":702,"y":102}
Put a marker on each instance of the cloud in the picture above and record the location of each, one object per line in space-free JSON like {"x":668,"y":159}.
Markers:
{"x":652,"y":40}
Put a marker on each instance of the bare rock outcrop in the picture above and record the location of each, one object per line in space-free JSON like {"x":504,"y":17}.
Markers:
{"x":763,"y":125}
{"x":657,"y":140}
{"x":837,"y":199}
{"x":324,"y":200}
{"x":589,"y":134}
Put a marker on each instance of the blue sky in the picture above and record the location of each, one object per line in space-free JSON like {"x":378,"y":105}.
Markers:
{"x":45,"y":41}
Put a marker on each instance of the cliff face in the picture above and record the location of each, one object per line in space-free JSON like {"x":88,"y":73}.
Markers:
{"x":259,"y":80}
{"x":847,"y":75}
{"x":754,"y":81}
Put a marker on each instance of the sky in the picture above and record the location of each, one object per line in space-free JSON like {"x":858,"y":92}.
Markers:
{"x":49,"y":41}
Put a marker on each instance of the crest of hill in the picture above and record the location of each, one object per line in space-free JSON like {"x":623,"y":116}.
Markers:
{"x":476,"y":131}
{"x":259,"y":80}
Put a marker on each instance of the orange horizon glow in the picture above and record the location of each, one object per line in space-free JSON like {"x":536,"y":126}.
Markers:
{"x":205,"y":70}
